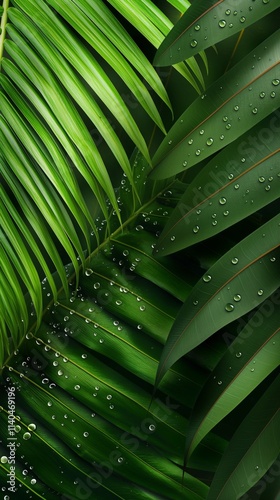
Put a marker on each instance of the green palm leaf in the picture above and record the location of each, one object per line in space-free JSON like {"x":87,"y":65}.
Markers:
{"x":243,"y":464}
{"x":92,"y":286}
{"x":251,"y":357}
{"x":222,"y":294}
{"x":217,"y":118}
{"x":190,"y":35}
{"x":237,"y":182}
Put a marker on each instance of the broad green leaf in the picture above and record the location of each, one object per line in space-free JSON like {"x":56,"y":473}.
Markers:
{"x":252,"y":450}
{"x":232,"y":105}
{"x":191,"y":34}
{"x":243,"y":178}
{"x":251,"y":357}
{"x":223,"y":295}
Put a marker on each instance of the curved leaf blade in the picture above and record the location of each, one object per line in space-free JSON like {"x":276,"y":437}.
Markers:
{"x":252,"y":450}
{"x":191,"y":33}
{"x":230,"y":107}
{"x":251,"y":357}
{"x":222,"y":295}
{"x":237,"y":182}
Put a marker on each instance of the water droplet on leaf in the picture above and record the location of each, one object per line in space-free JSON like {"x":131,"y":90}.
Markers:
{"x":229,"y":307}
{"x":207,"y":278}
{"x":237,"y":297}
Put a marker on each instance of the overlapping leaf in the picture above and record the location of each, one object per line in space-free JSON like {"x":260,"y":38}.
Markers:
{"x":154,"y":25}
{"x":191,"y":33}
{"x":223,"y":294}
{"x":250,"y":358}
{"x":235,"y":103}
{"x":243,"y":178}
{"x":252,"y":450}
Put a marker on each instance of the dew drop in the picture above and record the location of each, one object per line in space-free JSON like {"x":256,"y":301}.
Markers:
{"x":198,"y":151}
{"x":237,"y":297}
{"x":230,"y":176}
{"x":33,"y":481}
{"x":254,"y":111}
{"x":272,"y":94}
{"x":229,"y":307}
{"x":85,"y":434}
{"x":242,"y":19}
{"x":222,"y":23}
{"x":227,"y":12}
{"x":238,"y":354}
{"x":220,"y":382}
{"x":222,"y":137}
{"x":4,"y":459}
{"x":260,"y":292}
{"x":234,"y":260}
{"x":109,"y":397}
{"x":222,"y":200}
{"x":185,"y":163}
{"x":210,"y":141}
{"x":228,"y":126}
{"x":262,"y":95}
{"x":226,"y":212}
{"x":207,"y":278}
{"x":139,"y":228}
{"x":26,"y":436}
{"x":142,"y":308}
{"x":170,"y":142}
{"x":88,"y":272}
{"x":236,"y":108}
{"x":225,"y":118}
{"x":120,"y":460}
{"x":267,"y":188}
{"x":236,"y":186}
{"x":118,"y":302}
{"x":111,"y":407}
{"x":195,"y":302}
{"x":193,"y":43}
{"x":214,"y":223}
{"x":195,"y":229}
{"x":275,"y":82}
{"x":32,"y":427}
{"x":77,"y":387}
{"x":190,"y":141}
{"x":172,"y":238}
{"x":152,"y":427}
